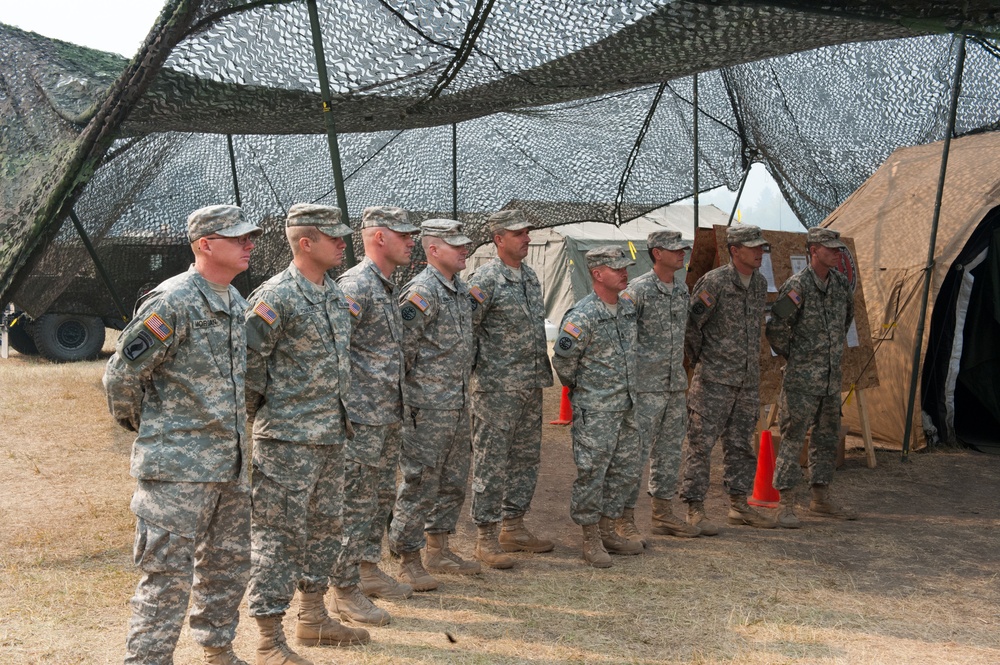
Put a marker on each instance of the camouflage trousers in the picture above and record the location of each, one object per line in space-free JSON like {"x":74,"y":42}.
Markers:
{"x":192,"y":544}
{"x":506,"y":453}
{"x":434,"y":464}
{"x":369,"y":494}
{"x":296,"y":540}
{"x":719,"y":411}
{"x":798,"y":413}
{"x":662,"y":419}
{"x":606,"y":449}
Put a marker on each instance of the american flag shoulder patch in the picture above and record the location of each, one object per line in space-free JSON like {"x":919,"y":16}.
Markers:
{"x":353,"y":305}
{"x":264,"y":311}
{"x":625,"y":295}
{"x":478,"y":294}
{"x":795,"y":297}
{"x":572,"y":329}
{"x":707,"y":298}
{"x":158,"y":327}
{"x":419,"y":301}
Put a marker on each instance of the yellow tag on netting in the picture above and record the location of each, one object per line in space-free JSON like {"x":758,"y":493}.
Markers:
{"x":850,"y":393}
{"x":631,"y":248}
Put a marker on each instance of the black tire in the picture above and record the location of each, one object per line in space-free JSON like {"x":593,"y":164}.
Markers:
{"x":20,"y":339}
{"x":68,"y":337}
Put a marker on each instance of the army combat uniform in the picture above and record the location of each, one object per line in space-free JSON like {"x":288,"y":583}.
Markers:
{"x":808,"y":326}
{"x":511,"y":368}
{"x":298,"y":376}
{"x":177,"y":378}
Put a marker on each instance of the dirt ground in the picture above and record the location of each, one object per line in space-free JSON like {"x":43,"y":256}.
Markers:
{"x":913,"y":581}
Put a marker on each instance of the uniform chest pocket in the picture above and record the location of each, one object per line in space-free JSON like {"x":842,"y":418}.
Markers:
{"x":312,"y":330}
{"x":212,"y":336}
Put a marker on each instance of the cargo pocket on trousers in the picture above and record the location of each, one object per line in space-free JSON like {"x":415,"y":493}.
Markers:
{"x":269,"y":500}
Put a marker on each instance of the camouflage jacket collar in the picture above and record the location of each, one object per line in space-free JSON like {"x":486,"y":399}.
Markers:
{"x":820,"y":284}
{"x":389,"y":285}
{"x":213,"y":299}
{"x":312,"y":292}
{"x":454,"y":285}
{"x":508,"y":273}
{"x":735,"y":276}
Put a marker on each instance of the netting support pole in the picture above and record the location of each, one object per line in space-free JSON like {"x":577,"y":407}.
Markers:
{"x":929,"y":268}
{"x":454,"y":170}
{"x":331,"y":127}
{"x":739,"y":195}
{"x":105,"y":277}
{"x":232,"y":168}
{"x":696,"y":183}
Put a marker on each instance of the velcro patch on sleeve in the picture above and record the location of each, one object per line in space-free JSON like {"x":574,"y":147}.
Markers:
{"x":264,"y":311}
{"x":419,"y":301}
{"x":572,"y":329}
{"x":353,"y":305}
{"x":139,"y":344}
{"x":707,"y":298}
{"x":158,"y":327}
{"x":477,"y":294}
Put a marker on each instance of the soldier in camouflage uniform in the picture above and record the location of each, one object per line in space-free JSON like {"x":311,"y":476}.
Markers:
{"x":808,"y":327}
{"x":661,"y":304}
{"x":298,"y":374}
{"x":375,"y":407}
{"x":177,"y":379}
{"x":595,"y":359}
{"x":723,"y":346}
{"x":511,"y":368}
{"x":434,"y":464}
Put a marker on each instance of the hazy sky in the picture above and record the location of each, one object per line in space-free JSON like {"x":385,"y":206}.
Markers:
{"x":120,"y":26}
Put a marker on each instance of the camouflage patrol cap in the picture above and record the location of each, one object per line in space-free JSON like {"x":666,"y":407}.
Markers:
{"x":392,"y":218}
{"x":670,"y":240}
{"x":508,"y":220}
{"x":448,"y":230}
{"x":825,"y":237}
{"x":224,"y":220}
{"x":746,"y":235}
{"x":609,"y":255}
{"x":326,"y":219}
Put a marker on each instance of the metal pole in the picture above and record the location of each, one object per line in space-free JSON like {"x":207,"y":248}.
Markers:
{"x":454,"y":170}
{"x":929,"y":268}
{"x":696,"y":222}
{"x":119,"y":305}
{"x":331,"y":128}
{"x":232,"y":167}
{"x":739,"y":195}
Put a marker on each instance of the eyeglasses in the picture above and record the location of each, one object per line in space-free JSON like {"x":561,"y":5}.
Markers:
{"x":241,"y":240}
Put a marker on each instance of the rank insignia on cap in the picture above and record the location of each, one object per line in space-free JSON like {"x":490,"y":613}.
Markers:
{"x":158,"y":327}
{"x":624,"y":295}
{"x":572,"y":329}
{"x":795,"y":297}
{"x":353,"y":305}
{"x":707,"y":298}
{"x":264,"y":311}
{"x":419,"y":301}
{"x":478,"y":294}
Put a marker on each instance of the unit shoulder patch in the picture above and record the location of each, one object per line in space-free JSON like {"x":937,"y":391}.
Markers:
{"x":408,"y":312}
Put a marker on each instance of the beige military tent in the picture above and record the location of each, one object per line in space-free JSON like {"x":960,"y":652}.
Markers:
{"x":557,"y":253}
{"x":889,"y":218}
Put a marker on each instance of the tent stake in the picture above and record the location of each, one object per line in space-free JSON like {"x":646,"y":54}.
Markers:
{"x":929,"y":268}
{"x":331,"y":128}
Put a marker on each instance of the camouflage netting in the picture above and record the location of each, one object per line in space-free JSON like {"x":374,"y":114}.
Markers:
{"x":569,"y":110}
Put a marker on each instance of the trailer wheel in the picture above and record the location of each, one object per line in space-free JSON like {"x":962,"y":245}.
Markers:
{"x":68,"y":337}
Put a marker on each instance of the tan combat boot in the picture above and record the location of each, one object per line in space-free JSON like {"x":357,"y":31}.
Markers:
{"x":741,"y":513}
{"x":593,"y":549}
{"x":315,"y":627}
{"x":440,"y":558}
{"x":786,"y":511}
{"x":488,"y":548}
{"x":412,"y":572}
{"x":613,"y":543}
{"x":353,"y":605}
{"x":824,"y":506}
{"x":376,"y":584}
{"x":696,"y":518}
{"x":665,"y":523}
{"x":222,"y":656}
{"x":515,"y":537}
{"x":272,"y":649}
{"x":626,"y":528}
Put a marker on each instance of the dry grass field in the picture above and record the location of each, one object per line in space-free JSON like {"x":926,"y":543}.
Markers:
{"x":913,"y":581}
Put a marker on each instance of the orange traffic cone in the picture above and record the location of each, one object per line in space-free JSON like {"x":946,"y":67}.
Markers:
{"x":764,"y":494}
{"x":565,"y":410}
